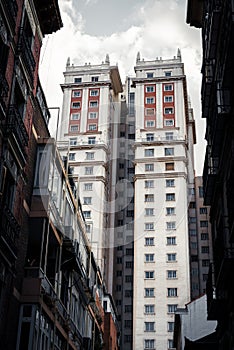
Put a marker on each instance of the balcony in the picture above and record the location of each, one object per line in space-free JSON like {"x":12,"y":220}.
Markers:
{"x":215,"y":300}
{"x":9,"y":233}
{"x":4,"y":88}
{"x":210,"y":172}
{"x":11,"y":9}
{"x":24,"y":49}
{"x":16,"y":129}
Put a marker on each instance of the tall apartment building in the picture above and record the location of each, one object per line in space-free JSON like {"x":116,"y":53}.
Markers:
{"x":161,"y":240}
{"x":215,"y":18}
{"x":90,"y":120}
{"x":131,"y":153}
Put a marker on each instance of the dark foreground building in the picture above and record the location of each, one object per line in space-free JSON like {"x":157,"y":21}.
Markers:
{"x":217,"y":22}
{"x":52,"y":295}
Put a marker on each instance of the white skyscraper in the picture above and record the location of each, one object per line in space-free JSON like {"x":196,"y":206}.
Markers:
{"x":161,"y":241}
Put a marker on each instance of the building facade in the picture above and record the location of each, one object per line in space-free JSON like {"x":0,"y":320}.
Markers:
{"x":215,"y":18}
{"x":90,"y":118}
{"x":161,"y":240}
{"x":23,"y":25}
{"x":51,"y":288}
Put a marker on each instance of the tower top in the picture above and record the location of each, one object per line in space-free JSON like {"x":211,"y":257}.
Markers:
{"x":107,"y":60}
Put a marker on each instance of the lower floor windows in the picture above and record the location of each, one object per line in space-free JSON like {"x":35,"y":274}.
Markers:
{"x":149,"y":344}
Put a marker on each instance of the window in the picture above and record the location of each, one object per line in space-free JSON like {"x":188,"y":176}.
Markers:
{"x":93,"y":115}
{"x":119,"y":260}
{"x":171,"y":240}
{"x":128,"y":338}
{"x":76,"y":93}
{"x":94,"y":92}
{"x":169,"y":166}
{"x":88,"y":187}
{"x":171,"y":257}
{"x":149,"y":152}
{"x":169,"y":136}
{"x":192,"y":232}
{"x":168,"y":98}
{"x":149,"y":111}
{"x":204,"y":277}
{"x":168,"y":87}
{"x":128,"y":308}
{"x":170,"y":183}
{"x":149,"y":257}
{"x":168,"y":74}
{"x":149,"y":75}
{"x":72,"y":156}
{"x":171,"y":274}
{"x":171,"y":225}
{"x":93,"y":79}
{"x":168,"y":110}
{"x":170,"y":211}
{"x":169,"y":122}
{"x":149,"y":211}
{"x":89,"y":155}
{"x":149,"y":292}
{"x":129,"y":264}
{"x":170,"y":344}
{"x":128,"y":293}
{"x":170,"y":197}
{"x":169,"y":151}
{"x":170,"y":326}
{"x":149,"y":123}
{"x":118,"y":287}
{"x":93,"y":104}
{"x":205,"y":262}
{"x":75,"y":104}
{"x":149,"y":326}
{"x":129,"y":278}
{"x":203,"y":223}
{"x":149,"y":137}
{"x":172,"y":292}
{"x":171,"y":308}
{"x":75,"y":116}
{"x":87,"y":200}
{"x":149,"y":274}
{"x":200,"y":189}
{"x":89,"y":170}
{"x":205,"y":249}
{"x":73,"y":141}
{"x":203,"y":210}
{"x":92,"y":126}
{"x":204,"y":236}
{"x":74,"y":128}
{"x":127,"y":324}
{"x":91,"y":140}
{"x":192,"y":219}
{"x":87,"y":214}
{"x":77,"y":80}
{"x":149,"y":309}
{"x":150,"y":88}
{"x":88,"y":228}
{"x":149,"y":183}
{"x":149,"y":167}
{"x":149,"y":100}
{"x":149,"y":226}
{"x":149,"y":344}
{"x":149,"y":241}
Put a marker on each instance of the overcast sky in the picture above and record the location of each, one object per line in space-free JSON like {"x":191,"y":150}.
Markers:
{"x":121,"y":28}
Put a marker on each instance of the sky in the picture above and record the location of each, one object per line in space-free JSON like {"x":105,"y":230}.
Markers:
{"x":122,"y":28}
